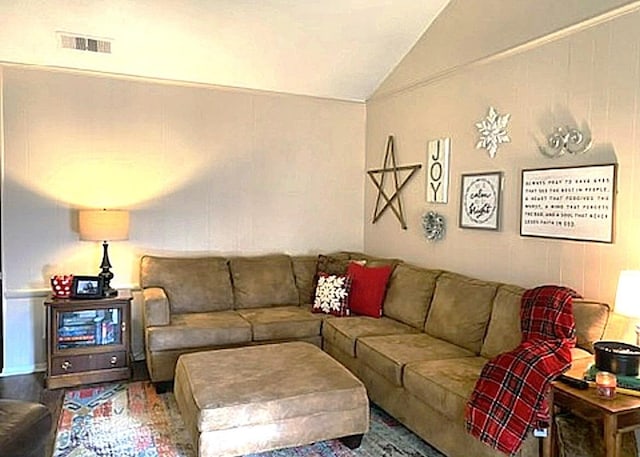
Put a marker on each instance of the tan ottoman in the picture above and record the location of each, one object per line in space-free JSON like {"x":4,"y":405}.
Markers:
{"x":258,"y":398}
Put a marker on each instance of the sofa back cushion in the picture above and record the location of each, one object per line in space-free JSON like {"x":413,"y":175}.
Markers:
{"x":460,"y":310}
{"x":304,"y":272}
{"x":504,"y":333}
{"x":409,"y":294}
{"x":591,"y":319}
{"x":192,"y":284}
{"x":263,"y":281}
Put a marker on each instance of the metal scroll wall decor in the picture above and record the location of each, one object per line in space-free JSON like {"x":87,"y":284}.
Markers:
{"x":493,"y":131}
{"x":566,"y":140}
{"x":385,"y":200}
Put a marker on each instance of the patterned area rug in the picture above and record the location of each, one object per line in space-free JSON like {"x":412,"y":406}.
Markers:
{"x":131,"y":420}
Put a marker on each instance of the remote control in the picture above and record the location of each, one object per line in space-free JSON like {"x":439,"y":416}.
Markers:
{"x":573,"y":382}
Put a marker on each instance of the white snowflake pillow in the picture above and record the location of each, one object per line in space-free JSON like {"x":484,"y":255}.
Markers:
{"x":332,"y":295}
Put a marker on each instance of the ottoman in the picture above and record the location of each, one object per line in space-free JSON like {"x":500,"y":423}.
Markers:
{"x":24,"y":428}
{"x":259,"y":398}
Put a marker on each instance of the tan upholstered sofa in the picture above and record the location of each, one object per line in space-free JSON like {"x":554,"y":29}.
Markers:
{"x":419,"y":361}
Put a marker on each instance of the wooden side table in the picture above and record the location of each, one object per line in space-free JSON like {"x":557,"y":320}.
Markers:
{"x":619,"y":415}
{"x":88,"y":341}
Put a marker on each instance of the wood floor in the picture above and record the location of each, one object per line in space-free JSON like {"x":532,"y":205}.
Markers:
{"x":30,"y":387}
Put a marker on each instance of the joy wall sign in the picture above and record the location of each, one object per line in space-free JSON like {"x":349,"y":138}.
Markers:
{"x":438,"y":152}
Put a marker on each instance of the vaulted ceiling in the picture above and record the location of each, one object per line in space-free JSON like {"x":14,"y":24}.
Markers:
{"x":329,"y":48}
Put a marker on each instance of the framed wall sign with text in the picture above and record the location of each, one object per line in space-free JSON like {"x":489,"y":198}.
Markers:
{"x":572,"y":203}
{"x":438,"y":152}
{"x":480,"y":200}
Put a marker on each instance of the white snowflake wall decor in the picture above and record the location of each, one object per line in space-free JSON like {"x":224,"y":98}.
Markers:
{"x":493,"y":131}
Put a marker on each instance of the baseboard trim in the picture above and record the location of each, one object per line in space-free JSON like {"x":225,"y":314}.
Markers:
{"x":25,"y":369}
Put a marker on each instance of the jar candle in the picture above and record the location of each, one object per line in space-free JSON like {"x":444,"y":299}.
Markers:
{"x":606,"y":384}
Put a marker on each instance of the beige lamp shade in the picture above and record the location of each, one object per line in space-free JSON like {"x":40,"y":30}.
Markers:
{"x":103,"y":224}
{"x":628,"y":294}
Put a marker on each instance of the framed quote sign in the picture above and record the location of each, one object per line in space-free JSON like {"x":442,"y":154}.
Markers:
{"x":573,"y":203}
{"x":480,"y":200}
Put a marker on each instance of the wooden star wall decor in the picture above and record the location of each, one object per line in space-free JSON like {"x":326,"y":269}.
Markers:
{"x":378,"y":177}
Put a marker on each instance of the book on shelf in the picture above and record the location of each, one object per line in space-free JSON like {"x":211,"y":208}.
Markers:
{"x":76,"y":329}
{"x":77,"y":338}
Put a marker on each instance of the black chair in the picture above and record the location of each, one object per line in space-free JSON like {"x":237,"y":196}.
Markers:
{"x":24,"y":428}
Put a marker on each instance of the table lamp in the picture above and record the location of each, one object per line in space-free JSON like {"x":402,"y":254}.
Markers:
{"x":104,"y":225}
{"x":628,"y":297}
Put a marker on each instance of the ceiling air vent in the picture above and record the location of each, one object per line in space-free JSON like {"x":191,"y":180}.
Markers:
{"x":84,"y":43}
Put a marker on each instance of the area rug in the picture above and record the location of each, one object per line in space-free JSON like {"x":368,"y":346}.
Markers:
{"x":132,"y":420}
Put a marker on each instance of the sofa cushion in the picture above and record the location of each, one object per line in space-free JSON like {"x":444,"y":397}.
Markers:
{"x":304,"y":272}
{"x":460,"y":310}
{"x":445,"y":385}
{"x":368,"y":287}
{"x":388,"y":354}
{"x":591,"y":320}
{"x":343,"y":332}
{"x":504,"y":333}
{"x":332,"y":295}
{"x":263,"y":281}
{"x":282,"y":323}
{"x":195,"y":330}
{"x":192,"y":284}
{"x":409,"y":294}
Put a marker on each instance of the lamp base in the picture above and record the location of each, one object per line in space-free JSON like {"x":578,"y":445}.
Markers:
{"x":109,"y":293}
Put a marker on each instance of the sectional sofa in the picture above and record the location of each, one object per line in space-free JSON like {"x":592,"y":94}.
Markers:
{"x":419,"y":361}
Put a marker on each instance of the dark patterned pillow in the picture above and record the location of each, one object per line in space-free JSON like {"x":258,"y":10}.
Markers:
{"x":333,"y":264}
{"x":332,"y":295}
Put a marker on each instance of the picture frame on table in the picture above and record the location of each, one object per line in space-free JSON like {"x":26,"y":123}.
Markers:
{"x":480,"y":200}
{"x":87,"y":287}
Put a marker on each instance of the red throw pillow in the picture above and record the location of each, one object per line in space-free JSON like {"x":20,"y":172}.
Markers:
{"x":368,"y":286}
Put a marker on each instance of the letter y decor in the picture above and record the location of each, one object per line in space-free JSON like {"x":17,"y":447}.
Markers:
{"x":391,"y":199}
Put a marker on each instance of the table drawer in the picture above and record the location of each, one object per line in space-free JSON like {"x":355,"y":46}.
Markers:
{"x":88,"y":362}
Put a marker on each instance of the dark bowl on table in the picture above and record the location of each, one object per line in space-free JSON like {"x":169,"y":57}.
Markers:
{"x":617,"y":357}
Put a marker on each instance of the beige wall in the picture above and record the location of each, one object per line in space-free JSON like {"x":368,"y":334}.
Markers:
{"x":201,"y":169}
{"x":587,"y":73}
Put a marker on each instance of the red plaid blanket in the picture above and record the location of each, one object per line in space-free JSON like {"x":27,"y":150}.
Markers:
{"x":509,"y":398}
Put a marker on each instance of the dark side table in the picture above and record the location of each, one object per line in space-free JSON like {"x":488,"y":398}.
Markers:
{"x":88,"y":341}
{"x":619,"y":415}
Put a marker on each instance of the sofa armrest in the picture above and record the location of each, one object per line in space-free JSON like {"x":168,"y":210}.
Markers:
{"x":156,"y":307}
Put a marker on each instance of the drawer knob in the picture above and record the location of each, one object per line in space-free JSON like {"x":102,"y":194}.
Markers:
{"x":114,"y":360}
{"x":66,"y":365}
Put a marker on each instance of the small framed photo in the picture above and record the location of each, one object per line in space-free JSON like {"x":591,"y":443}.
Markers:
{"x":87,"y":287}
{"x":480,"y":200}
